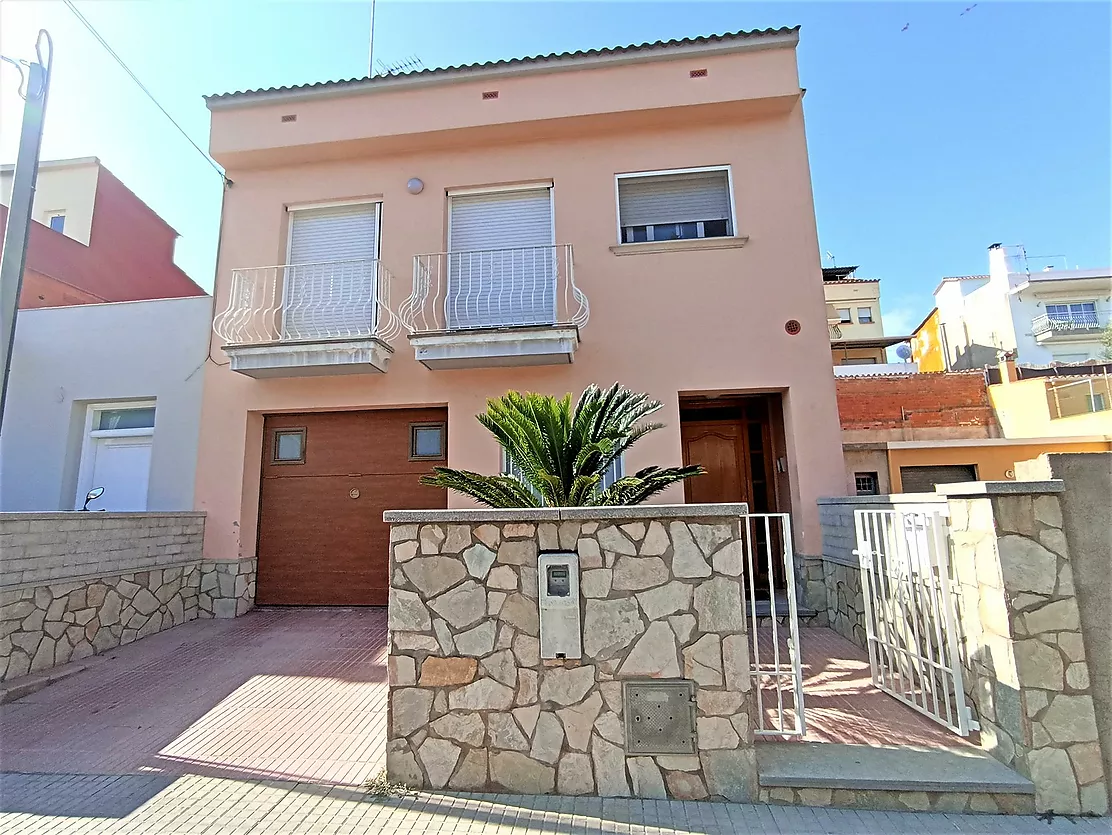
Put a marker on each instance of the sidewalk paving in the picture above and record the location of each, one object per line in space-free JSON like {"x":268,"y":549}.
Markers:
{"x":52,"y":804}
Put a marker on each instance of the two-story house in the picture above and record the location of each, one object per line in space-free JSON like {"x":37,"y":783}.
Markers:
{"x":396,"y":250}
{"x":1039,"y":316}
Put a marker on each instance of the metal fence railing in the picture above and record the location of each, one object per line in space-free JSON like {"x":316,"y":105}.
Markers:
{"x":1079,"y":397}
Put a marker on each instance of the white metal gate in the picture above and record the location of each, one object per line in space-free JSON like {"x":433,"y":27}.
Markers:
{"x":910,"y":613}
{"x":773,"y":621}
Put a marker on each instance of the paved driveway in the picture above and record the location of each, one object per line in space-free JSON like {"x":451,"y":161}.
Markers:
{"x":286,"y":694}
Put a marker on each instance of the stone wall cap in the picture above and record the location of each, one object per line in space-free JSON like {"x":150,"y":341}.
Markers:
{"x":559,"y":514}
{"x":58,"y":515}
{"x":1001,"y":488}
{"x":881,"y":500}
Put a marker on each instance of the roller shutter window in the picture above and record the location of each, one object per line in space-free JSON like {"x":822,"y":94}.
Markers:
{"x":663,"y":207}
{"x":329,"y":287}
{"x":501,"y":264}
{"x":923,"y":479}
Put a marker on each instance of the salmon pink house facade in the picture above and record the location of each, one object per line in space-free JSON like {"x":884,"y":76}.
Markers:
{"x":397,"y":250}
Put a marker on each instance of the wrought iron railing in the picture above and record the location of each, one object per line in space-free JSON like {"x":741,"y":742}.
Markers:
{"x":292,"y":303}
{"x":494,"y":288}
{"x":1072,"y":322}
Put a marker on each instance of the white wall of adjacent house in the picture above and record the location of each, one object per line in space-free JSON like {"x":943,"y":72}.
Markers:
{"x":105,"y":395}
{"x":1065,"y":294}
{"x":64,"y":189}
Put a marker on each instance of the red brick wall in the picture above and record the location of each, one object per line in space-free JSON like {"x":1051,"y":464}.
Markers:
{"x":915,"y":401}
{"x":130,"y":255}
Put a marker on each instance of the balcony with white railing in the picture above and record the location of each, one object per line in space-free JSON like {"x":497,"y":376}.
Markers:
{"x":1047,"y":327}
{"x":297,"y":320}
{"x":495,"y":307}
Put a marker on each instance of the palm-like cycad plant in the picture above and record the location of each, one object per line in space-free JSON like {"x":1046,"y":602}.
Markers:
{"x":562,"y":453}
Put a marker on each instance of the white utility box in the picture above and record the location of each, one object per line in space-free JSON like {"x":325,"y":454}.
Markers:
{"x":558,"y":578}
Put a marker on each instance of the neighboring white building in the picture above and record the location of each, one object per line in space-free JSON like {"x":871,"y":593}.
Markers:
{"x":1044,"y":316}
{"x":105,"y":395}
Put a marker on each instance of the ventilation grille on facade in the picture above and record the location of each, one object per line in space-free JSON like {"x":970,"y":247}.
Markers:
{"x":292,"y":117}
{"x":490,"y":94}
{"x":698,"y":73}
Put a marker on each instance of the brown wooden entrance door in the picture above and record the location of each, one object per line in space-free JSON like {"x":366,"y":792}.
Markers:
{"x":322,"y":541}
{"x":734,"y":442}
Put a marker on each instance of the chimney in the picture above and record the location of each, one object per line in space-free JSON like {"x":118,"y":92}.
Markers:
{"x":1006,"y":364}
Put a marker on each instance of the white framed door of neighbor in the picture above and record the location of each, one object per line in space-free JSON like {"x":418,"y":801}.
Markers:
{"x":116,"y":455}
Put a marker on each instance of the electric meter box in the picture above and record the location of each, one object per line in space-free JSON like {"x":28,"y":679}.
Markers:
{"x":558,"y":578}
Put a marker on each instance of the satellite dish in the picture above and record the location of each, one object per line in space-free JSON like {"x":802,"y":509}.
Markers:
{"x":903,"y":351}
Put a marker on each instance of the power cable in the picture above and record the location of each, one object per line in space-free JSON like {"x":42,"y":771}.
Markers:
{"x":149,"y":94}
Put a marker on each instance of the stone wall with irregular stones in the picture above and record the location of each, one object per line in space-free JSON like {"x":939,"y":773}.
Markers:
{"x":43,"y":626}
{"x":227,"y":588}
{"x":1023,"y":656}
{"x":78,"y":584}
{"x":474,"y":708}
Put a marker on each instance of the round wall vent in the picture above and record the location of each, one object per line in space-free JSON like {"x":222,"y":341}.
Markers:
{"x":792,"y":326}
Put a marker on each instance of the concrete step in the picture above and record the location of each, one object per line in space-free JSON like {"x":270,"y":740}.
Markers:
{"x":959,"y":779}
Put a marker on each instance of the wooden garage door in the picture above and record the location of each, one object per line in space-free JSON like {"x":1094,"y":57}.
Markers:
{"x":322,"y":541}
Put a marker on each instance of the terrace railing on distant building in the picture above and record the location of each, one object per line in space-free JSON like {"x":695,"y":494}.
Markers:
{"x":1070,"y":323}
{"x":1079,"y":397}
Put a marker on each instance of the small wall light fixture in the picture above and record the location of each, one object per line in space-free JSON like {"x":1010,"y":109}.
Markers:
{"x":415,"y":185}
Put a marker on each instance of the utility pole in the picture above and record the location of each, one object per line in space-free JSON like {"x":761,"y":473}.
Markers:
{"x":36,"y":84}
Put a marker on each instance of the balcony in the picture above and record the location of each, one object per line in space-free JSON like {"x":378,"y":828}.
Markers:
{"x":1045,"y":328}
{"x":303,"y":320}
{"x":495,"y":308}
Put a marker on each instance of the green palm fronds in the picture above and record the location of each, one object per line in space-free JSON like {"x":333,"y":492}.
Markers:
{"x":562,"y":453}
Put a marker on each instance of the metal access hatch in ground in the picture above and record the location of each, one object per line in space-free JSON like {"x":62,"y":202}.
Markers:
{"x":327,"y":477}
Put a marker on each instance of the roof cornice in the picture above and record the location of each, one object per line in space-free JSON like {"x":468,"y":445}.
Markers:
{"x":727,"y":43}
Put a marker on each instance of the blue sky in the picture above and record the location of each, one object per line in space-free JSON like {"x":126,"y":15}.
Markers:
{"x":932,"y":133}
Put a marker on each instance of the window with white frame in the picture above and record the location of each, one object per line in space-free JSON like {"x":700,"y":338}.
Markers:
{"x":1074,"y":311}
{"x":675,"y":205}
{"x":57,"y":221}
{"x":845,"y":317}
{"x":865,"y":315}
{"x":615,"y":471}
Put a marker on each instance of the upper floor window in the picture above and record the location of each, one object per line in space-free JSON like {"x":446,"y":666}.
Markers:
{"x":844,"y":316}
{"x":58,"y":221}
{"x":865,"y":315}
{"x":675,"y":205}
{"x":1074,"y":310}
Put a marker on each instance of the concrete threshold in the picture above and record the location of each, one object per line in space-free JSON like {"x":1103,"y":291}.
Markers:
{"x":888,"y":768}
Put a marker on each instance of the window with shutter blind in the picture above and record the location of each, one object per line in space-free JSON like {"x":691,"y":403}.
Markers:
{"x":675,"y":206}
{"x":329,"y":289}
{"x":501,"y":260}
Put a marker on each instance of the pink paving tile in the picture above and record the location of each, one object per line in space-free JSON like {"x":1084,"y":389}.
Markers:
{"x":841,"y":703}
{"x":279,"y":693}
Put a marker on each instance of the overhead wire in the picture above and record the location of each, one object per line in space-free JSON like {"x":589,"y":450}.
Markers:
{"x":100,"y":39}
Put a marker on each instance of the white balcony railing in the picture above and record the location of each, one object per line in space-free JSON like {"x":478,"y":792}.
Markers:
{"x":494,"y":288}
{"x":1071,"y":323}
{"x":292,"y":303}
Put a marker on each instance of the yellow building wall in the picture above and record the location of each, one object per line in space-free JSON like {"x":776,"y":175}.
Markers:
{"x":926,"y":345}
{"x":1023,"y":411}
{"x":994,"y":462}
